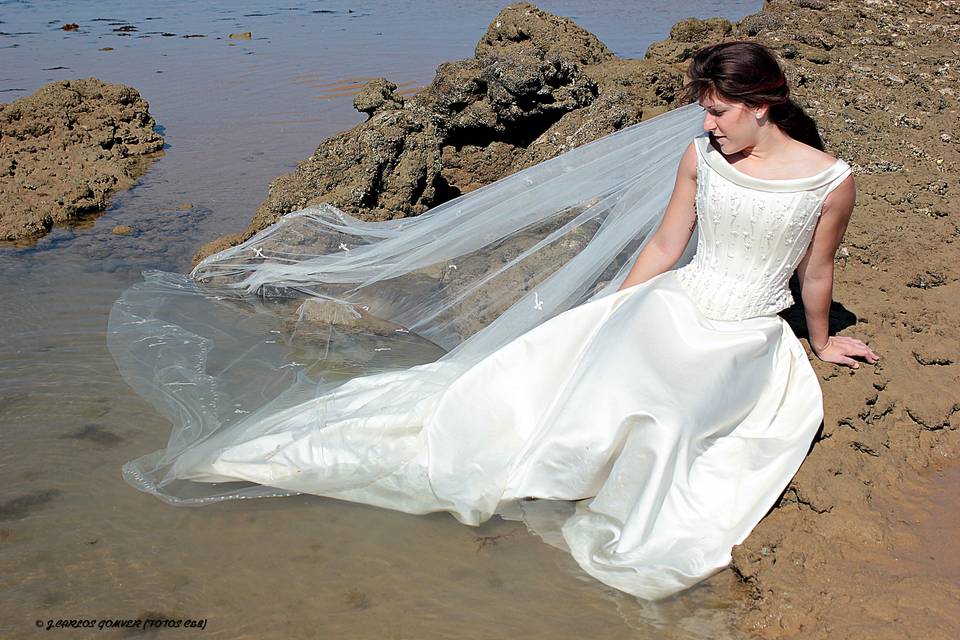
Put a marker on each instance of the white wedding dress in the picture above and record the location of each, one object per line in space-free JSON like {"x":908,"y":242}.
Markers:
{"x":674,"y":412}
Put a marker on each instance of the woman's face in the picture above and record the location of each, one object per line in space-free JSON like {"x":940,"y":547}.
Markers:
{"x":732,"y":124}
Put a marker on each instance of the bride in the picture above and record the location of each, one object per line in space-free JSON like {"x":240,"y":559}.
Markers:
{"x":576,"y":345}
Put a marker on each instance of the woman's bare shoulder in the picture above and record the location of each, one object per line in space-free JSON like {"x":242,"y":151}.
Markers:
{"x":688,"y":162}
{"x":812,"y":159}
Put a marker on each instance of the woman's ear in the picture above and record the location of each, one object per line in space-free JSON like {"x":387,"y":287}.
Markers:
{"x":761,"y":111}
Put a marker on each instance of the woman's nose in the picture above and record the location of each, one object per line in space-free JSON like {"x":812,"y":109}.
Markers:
{"x":708,"y":123}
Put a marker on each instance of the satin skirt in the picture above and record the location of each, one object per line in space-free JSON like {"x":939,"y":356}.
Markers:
{"x":668,"y":434}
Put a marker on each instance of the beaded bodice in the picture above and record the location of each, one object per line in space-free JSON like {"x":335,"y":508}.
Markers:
{"x":752,"y":234}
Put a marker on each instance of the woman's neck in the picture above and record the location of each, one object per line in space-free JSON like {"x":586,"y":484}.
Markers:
{"x":771,"y":145}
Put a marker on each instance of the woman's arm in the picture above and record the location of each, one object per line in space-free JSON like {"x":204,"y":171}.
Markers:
{"x":671,"y":237}
{"x":815,"y":272}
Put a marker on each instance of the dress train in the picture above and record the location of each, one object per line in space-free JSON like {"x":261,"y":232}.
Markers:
{"x":674,"y":433}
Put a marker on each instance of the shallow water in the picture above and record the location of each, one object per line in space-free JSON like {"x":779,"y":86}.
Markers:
{"x":78,"y":542}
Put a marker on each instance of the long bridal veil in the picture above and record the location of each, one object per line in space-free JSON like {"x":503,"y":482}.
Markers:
{"x":321,"y":298}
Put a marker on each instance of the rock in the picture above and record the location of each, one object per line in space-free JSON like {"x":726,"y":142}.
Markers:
{"x":493,"y":97}
{"x":470,"y":126}
{"x":525,"y":29}
{"x":927,"y":280}
{"x":757,"y":23}
{"x":686,"y":37}
{"x":319,"y":311}
{"x":66,"y":148}
{"x":377,"y":95}
{"x":122,"y":230}
{"x":246,"y":35}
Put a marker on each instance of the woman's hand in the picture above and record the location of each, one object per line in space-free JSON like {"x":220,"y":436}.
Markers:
{"x":839,"y":349}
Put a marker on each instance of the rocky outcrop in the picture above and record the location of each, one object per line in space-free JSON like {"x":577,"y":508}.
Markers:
{"x":538,"y":85}
{"x":377,"y":95}
{"x":686,"y":37}
{"x":524,"y":29}
{"x":65,"y":149}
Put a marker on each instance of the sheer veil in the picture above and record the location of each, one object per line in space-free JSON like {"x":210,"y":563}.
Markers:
{"x":321,"y":298}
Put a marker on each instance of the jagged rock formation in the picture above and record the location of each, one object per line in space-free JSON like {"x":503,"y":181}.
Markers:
{"x":66,"y":148}
{"x":537,"y":86}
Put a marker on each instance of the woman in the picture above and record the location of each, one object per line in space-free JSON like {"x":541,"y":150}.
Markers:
{"x":647,"y":430}
{"x":760,"y":131}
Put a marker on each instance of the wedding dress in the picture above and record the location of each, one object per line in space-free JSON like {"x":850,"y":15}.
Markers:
{"x":645,"y":430}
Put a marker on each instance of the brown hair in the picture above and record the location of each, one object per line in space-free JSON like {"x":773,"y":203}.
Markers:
{"x":748,"y":73}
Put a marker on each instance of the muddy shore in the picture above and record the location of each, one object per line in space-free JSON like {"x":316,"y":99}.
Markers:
{"x":65,"y":149}
{"x":879,"y":78}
